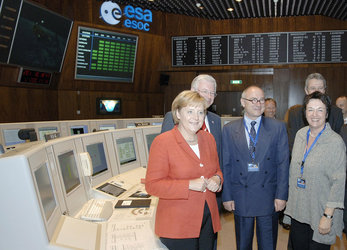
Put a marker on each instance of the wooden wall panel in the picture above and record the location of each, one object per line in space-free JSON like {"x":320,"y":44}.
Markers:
{"x":145,"y":97}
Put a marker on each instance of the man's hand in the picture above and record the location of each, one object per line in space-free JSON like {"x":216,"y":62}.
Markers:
{"x":229,"y":205}
{"x":280,"y":205}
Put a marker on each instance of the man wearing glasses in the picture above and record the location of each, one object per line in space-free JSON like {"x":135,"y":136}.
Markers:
{"x":255,"y":169}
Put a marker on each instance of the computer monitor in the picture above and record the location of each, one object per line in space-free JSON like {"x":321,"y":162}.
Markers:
{"x":149,"y":133}
{"x":131,"y":125}
{"x":70,"y":175}
{"x":46,"y":190}
{"x":11,"y":136}
{"x":78,"y":129}
{"x":126,"y":149}
{"x":107,"y":126}
{"x":46,"y":130}
{"x":96,"y":147}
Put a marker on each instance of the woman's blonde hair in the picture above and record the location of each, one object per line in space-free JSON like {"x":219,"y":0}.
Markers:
{"x":185,"y":98}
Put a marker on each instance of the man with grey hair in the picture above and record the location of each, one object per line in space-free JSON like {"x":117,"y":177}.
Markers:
{"x":296,"y":119}
{"x":206,"y":86}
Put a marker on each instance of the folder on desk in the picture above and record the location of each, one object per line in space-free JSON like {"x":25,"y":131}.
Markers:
{"x":133,"y":203}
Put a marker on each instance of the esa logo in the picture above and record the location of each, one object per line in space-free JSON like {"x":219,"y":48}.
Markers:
{"x":137,"y":18}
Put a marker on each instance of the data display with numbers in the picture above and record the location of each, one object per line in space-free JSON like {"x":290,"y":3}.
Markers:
{"x":260,"y":48}
{"x":106,"y":56}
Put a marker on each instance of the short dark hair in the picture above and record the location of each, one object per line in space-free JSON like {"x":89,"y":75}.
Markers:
{"x":320,"y":96}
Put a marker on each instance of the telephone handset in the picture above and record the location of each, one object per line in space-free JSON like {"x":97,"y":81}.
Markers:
{"x":86,"y":162}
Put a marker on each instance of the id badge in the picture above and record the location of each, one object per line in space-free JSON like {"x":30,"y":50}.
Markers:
{"x":253,"y":167}
{"x":301,"y":183}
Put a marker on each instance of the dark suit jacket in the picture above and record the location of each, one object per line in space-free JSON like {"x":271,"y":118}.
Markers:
{"x":254,"y":192}
{"x":297,"y":120}
{"x":215,"y":126}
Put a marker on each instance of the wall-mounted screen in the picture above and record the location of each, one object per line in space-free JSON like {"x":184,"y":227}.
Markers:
{"x":105,"y":55}
{"x":97,"y":154}
{"x":108,"y":106}
{"x":126,"y":150}
{"x":69,"y":171}
{"x":40,"y":39}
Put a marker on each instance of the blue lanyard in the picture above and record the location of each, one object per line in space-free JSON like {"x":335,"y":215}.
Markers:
{"x":309,"y":150}
{"x":251,"y":138}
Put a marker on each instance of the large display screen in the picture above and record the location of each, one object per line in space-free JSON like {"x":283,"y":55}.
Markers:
{"x":40,"y":39}
{"x":105,"y":55}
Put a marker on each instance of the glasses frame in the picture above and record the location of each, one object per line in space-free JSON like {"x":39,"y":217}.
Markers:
{"x":255,"y":100}
{"x":205,"y":91}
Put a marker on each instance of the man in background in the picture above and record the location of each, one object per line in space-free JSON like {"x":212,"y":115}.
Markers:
{"x":296,"y":119}
{"x":270,"y":108}
{"x":341,"y":102}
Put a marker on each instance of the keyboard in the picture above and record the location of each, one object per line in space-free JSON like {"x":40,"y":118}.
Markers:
{"x":97,"y":210}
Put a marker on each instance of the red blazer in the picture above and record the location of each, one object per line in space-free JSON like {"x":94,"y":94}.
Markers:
{"x":172,"y":163}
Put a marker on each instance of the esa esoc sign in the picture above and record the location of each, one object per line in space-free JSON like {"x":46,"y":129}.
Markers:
{"x":136,"y":17}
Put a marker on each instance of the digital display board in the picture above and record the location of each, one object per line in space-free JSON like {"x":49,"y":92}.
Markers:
{"x":260,"y":48}
{"x":105,"y":55}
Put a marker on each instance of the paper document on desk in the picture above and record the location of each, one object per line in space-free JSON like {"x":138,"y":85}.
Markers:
{"x":131,"y":235}
{"x":133,"y":214}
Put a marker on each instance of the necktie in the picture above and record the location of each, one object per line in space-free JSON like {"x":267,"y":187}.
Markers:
{"x":203,"y":127}
{"x":253,"y":135}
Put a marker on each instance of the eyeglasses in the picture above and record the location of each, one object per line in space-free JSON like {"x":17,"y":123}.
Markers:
{"x":255,"y":100}
{"x":206,"y":92}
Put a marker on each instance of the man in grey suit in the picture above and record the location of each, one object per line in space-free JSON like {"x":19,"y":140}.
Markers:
{"x":206,"y":86}
{"x":256,"y":172}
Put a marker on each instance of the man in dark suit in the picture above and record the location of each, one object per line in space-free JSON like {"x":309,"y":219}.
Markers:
{"x":206,"y":86}
{"x":296,"y":119}
{"x":255,"y":170}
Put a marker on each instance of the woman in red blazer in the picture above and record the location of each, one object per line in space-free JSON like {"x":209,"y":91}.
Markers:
{"x":183,"y":171}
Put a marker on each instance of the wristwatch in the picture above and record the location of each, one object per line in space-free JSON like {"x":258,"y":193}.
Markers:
{"x":328,"y":216}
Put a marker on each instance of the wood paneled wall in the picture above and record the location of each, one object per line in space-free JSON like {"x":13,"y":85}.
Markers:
{"x":145,"y":97}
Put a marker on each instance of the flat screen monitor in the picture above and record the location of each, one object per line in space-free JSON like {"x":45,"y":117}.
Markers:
{"x":40,"y":38}
{"x":73,"y":190}
{"x":97,"y":154}
{"x":45,"y":189}
{"x":157,"y":123}
{"x":108,"y":106}
{"x":131,"y":125}
{"x":149,"y":134}
{"x":126,"y":150}
{"x":125,"y":144}
{"x":78,"y":129}
{"x":150,"y":139}
{"x":46,"y":130}
{"x":69,"y":171}
{"x":107,"y":126}
{"x":11,"y":136}
{"x":105,"y":55}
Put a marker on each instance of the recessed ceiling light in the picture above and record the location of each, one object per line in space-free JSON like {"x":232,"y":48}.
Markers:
{"x":238,"y":0}
{"x":230,"y":9}
{"x":151,"y":0}
{"x":198,"y":5}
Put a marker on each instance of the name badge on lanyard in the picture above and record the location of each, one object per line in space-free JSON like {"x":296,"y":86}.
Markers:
{"x":301,"y":182}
